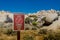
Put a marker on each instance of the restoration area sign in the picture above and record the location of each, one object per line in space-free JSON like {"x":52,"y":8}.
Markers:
{"x":18,"y":22}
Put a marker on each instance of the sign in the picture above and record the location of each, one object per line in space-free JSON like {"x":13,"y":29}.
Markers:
{"x":18,"y":21}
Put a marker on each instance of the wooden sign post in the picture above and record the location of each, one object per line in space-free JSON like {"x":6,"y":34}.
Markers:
{"x":18,"y":24}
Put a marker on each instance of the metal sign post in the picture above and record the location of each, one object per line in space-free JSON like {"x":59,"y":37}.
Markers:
{"x":18,"y":24}
{"x":18,"y":35}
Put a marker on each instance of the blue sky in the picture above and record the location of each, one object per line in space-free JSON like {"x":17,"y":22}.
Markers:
{"x":29,"y":6}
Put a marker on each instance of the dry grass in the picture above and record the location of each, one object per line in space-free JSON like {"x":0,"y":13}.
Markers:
{"x":32,"y":33}
{"x":6,"y":36}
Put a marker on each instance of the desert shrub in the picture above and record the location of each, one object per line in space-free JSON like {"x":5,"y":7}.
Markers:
{"x":42,"y":31}
{"x":57,"y":35}
{"x":34,"y":23}
{"x":48,"y":35}
{"x":27,"y":37}
{"x":35,"y":19}
{"x":26,"y":28}
{"x":28,"y":20}
{"x":10,"y":32}
{"x":34,"y":29}
{"x":52,"y":35}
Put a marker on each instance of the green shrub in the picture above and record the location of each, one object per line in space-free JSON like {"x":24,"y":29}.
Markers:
{"x":28,"y":20}
{"x":34,"y":23}
{"x":10,"y":32}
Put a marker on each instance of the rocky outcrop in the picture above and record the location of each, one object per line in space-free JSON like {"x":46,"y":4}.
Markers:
{"x":50,"y":15}
{"x":3,"y":15}
{"x":48,"y":19}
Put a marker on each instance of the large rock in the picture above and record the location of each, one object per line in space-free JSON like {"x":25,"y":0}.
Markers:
{"x":50,"y":15}
{"x":55,"y":25}
{"x":3,"y":15}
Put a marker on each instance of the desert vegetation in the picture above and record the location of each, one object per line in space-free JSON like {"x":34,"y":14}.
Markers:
{"x":46,"y":23}
{"x":7,"y":33}
{"x":43,"y":25}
